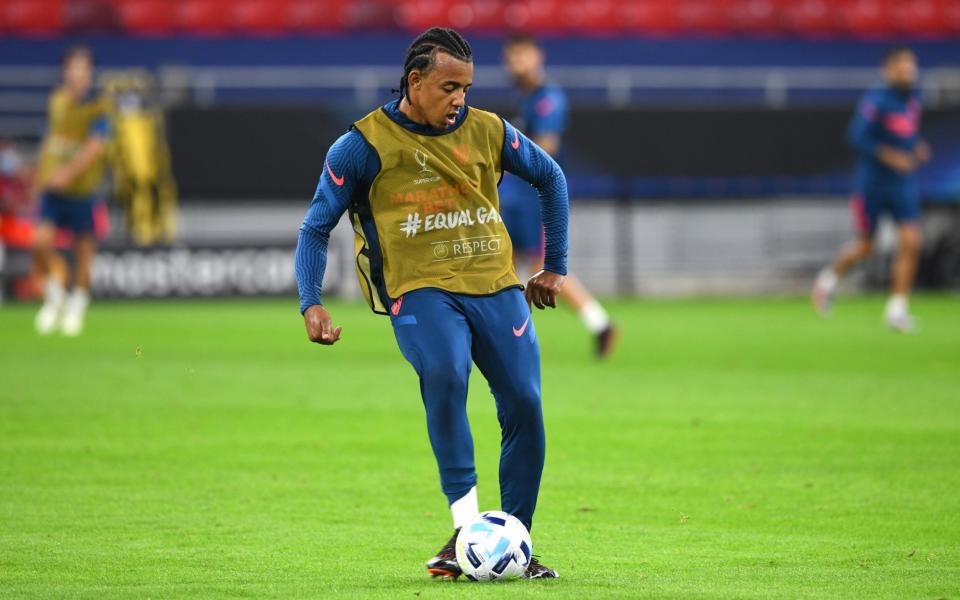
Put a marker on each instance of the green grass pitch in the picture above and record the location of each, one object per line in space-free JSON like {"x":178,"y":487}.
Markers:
{"x":730,"y":449}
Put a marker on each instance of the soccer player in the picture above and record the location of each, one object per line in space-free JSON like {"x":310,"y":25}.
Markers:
{"x":543,"y":117}
{"x":419,"y":177}
{"x":71,"y":170}
{"x":885,"y":132}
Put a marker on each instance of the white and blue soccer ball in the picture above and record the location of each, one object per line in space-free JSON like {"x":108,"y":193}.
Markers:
{"x":493,"y":547}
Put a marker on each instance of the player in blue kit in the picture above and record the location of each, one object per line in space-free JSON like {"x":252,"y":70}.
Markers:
{"x":885,"y":132}
{"x":543,"y":117}
{"x":419,"y":178}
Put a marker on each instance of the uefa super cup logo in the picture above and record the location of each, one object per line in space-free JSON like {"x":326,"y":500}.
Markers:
{"x":426,"y":174}
{"x":421,"y":158}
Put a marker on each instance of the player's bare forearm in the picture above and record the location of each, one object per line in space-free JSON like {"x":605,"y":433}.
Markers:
{"x":319,"y":324}
{"x":898,"y":160}
{"x":550,"y":143}
{"x":922,"y":152}
{"x":91,"y":151}
{"x":542,"y":289}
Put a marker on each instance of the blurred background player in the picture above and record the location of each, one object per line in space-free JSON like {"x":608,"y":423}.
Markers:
{"x":543,"y":118}
{"x":71,"y":170}
{"x":885,"y":132}
{"x":14,"y":184}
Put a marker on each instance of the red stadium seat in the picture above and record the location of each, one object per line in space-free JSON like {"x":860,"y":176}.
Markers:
{"x":598,"y":16}
{"x":809,"y":17}
{"x":756,"y":17}
{"x":703,"y":16}
{"x":203,"y":17}
{"x":316,"y":16}
{"x":466,"y":14}
{"x":866,"y":18}
{"x":538,"y":16}
{"x":146,"y":17}
{"x":260,"y":17}
{"x":418,"y":15}
{"x":369,"y":14}
{"x":950,"y":13}
{"x":461,"y":15}
{"x":91,"y":16}
{"x":647,"y":17}
{"x":488,"y":15}
{"x":33,"y":17}
{"x":918,"y":18}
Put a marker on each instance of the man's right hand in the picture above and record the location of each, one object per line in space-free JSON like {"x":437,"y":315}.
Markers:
{"x":898,"y":160}
{"x":320,"y":327}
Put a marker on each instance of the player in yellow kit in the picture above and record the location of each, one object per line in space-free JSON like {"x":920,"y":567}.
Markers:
{"x":71,"y":170}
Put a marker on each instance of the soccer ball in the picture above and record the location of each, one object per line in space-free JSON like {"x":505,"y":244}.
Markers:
{"x":494,"y":546}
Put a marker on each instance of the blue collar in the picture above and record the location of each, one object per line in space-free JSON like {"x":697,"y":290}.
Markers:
{"x":392,"y":110}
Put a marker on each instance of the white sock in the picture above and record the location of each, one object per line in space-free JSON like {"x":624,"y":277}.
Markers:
{"x":827,"y":279}
{"x":594,"y":318}
{"x":897,"y":305}
{"x":53,"y":292}
{"x":79,"y":299}
{"x":465,"y":509}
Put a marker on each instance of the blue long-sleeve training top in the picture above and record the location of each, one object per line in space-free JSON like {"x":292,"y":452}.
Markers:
{"x":351,"y":166}
{"x":884,"y":116}
{"x":542,"y":112}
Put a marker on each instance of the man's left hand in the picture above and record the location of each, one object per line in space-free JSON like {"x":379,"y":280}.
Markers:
{"x":60,"y":179}
{"x":542,"y":289}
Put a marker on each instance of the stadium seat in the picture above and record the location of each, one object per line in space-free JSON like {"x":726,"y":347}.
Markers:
{"x":950,"y":13}
{"x":203,"y":17}
{"x":33,"y":17}
{"x":599,"y":16}
{"x":487,"y":15}
{"x":919,"y":18}
{"x":260,"y":17}
{"x":418,"y":15}
{"x":146,"y":17}
{"x":866,"y":18}
{"x":809,"y":17}
{"x":461,"y":15}
{"x":756,"y":17}
{"x":316,"y":16}
{"x":369,"y":14}
{"x":703,"y":16}
{"x":537,"y":16}
{"x":91,"y":16}
{"x":647,"y":17}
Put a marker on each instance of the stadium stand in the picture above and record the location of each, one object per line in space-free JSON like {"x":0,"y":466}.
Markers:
{"x":757,"y":18}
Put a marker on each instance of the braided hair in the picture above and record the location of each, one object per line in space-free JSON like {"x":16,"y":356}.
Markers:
{"x":422,"y":53}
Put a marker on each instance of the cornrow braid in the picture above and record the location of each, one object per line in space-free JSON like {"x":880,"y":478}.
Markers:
{"x":422,"y":53}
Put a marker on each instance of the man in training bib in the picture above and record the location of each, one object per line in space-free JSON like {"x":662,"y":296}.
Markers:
{"x":419,"y":178}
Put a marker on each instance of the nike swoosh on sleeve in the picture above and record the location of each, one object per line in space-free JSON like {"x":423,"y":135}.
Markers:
{"x":516,"y":140}
{"x":336,"y":180}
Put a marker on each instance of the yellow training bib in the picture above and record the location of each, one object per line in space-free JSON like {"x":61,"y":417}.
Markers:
{"x":436,"y":210}
{"x":68,"y":128}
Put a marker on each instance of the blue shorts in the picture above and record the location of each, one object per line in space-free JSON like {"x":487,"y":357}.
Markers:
{"x":76,"y":215}
{"x":868,"y":206}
